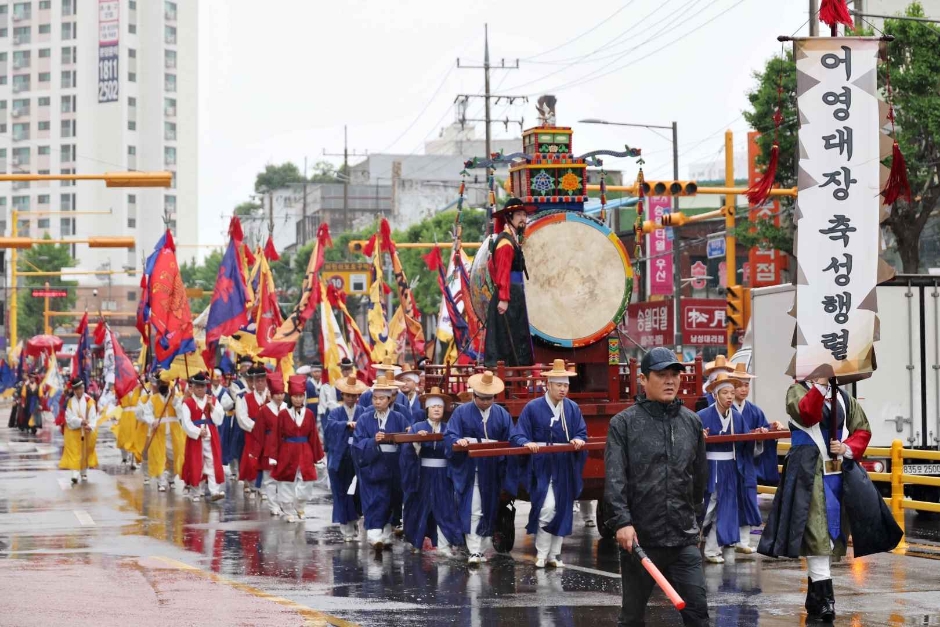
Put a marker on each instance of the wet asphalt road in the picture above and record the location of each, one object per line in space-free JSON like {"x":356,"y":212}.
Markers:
{"x":114,"y":551}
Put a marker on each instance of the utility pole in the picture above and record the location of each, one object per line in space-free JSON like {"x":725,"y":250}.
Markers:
{"x":344,"y":175}
{"x":814,"y":18}
{"x":303,"y":209}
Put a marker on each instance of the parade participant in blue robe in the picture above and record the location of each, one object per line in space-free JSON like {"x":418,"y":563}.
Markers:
{"x":231,"y":435}
{"x":377,"y":461}
{"x":479,"y":482}
{"x":553,"y":480}
{"x":408,"y":382}
{"x":224,"y":398}
{"x":710,"y":371}
{"x":754,"y":422}
{"x":339,"y":428}
{"x":430,"y":504}
{"x":727,"y":464}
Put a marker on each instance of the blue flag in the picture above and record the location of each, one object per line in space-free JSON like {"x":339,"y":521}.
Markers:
{"x":227,"y":311}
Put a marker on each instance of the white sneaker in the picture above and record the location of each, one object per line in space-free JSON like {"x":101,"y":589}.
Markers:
{"x":540,"y":563}
{"x":84,"y":477}
{"x":291,"y":518}
{"x":590,"y":523}
{"x":743,"y":548}
{"x":217,"y":497}
{"x":475,"y":558}
{"x":264,"y":497}
{"x":300,"y":515}
{"x":276,"y":512}
{"x":197,"y":498}
{"x":556,"y":563}
{"x":714,"y":559}
{"x":161,"y":488}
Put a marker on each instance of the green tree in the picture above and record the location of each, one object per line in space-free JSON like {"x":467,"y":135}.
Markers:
{"x":45,"y":258}
{"x":325,"y":172}
{"x":247,"y":209}
{"x":202,"y":276}
{"x":915,"y":80}
{"x":764,"y":101}
{"x":277,"y":176}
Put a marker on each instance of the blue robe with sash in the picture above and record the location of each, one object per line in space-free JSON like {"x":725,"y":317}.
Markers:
{"x":726,"y":477}
{"x":231,"y":436}
{"x":379,"y":470}
{"x":430,"y":501}
{"x":415,"y":412}
{"x":754,"y":418}
{"x":493,"y":474}
{"x":342,"y":470}
{"x":563,"y":470}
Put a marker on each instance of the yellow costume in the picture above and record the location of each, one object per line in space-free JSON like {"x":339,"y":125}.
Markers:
{"x":78,"y":410}
{"x":129,"y":431}
{"x":157,"y":454}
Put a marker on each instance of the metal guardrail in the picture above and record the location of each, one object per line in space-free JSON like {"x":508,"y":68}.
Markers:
{"x":897,"y":478}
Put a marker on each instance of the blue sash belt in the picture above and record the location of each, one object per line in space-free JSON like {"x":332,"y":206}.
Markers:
{"x":516,"y":277}
{"x":295,"y":440}
{"x":199,"y":423}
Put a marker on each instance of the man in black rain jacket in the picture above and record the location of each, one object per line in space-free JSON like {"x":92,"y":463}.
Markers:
{"x":656,"y":473}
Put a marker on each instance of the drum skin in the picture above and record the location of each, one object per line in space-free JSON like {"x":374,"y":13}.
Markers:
{"x":580,"y":279}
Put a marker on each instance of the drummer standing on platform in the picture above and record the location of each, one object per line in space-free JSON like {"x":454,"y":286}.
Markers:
{"x":507,"y":320}
{"x":553,"y":480}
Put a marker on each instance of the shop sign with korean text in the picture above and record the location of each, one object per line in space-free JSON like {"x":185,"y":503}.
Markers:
{"x":837,"y":212}
{"x":649,"y":323}
{"x":703,"y":321}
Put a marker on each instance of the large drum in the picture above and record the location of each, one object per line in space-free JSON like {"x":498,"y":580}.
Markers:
{"x":579,"y":283}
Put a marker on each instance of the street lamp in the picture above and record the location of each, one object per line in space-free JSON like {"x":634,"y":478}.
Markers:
{"x":677,"y":285}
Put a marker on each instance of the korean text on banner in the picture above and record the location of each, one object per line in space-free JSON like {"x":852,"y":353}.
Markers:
{"x":838,"y":207}
{"x":109,"y":29}
{"x":659,"y":247}
{"x":649,"y":323}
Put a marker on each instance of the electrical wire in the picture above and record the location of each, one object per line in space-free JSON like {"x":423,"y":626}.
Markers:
{"x":587,"y":32}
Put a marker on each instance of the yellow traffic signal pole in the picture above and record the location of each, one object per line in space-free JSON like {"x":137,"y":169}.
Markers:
{"x":731,"y":259}
{"x":111,"y":179}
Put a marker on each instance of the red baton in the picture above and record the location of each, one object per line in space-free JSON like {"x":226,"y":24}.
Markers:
{"x":658,"y":577}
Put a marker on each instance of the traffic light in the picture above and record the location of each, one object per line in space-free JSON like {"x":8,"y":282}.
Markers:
{"x":738,"y":306}
{"x":356,"y":245}
{"x":669,"y":188}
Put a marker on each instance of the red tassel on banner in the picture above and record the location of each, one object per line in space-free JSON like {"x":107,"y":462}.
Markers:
{"x":832,"y":12}
{"x":270,"y":252}
{"x":759,"y":192}
{"x":897,"y":184}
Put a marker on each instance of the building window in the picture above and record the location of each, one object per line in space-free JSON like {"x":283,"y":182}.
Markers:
{"x":68,"y":7}
{"x":170,"y":10}
{"x":45,"y":5}
{"x":68,"y":55}
{"x":131,"y":125}
{"x":68,"y":104}
{"x":131,"y":296}
{"x":44,"y":77}
{"x":20,"y":107}
{"x":132,"y":224}
{"x":4,"y":9}
{"x":22,"y":35}
{"x":44,"y":126}
{"x":44,"y":150}
{"x":169,"y":57}
{"x":169,"y":204}
{"x":69,"y":30}
{"x":21,"y":203}
{"x":170,"y":34}
{"x":67,"y":153}
{"x":3,"y":155}
{"x":21,"y":82}
{"x":68,"y":128}
{"x":169,"y":155}
{"x":44,"y":101}
{"x":131,"y":53}
{"x":131,"y":101}
{"x":21,"y":156}
{"x":169,"y":107}
{"x":43,"y":199}
{"x":132,"y":29}
{"x":132,"y":77}
{"x":20,"y":132}
{"x":170,"y":83}
{"x":45,"y":53}
{"x":169,"y":131}
{"x":22,"y":11}
{"x":3,"y":79}
{"x":132,"y":5}
{"x":45,"y":29}
{"x":3,"y":128}
{"x":43,"y":223}
{"x":3,"y":105}
{"x":4,"y":32}
{"x":68,"y":79}
{"x":131,"y":151}
{"x":3,"y":57}
{"x":20,"y":59}
{"x":65,"y":202}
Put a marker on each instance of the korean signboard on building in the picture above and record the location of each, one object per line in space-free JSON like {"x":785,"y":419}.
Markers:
{"x":109,"y":29}
{"x":659,"y":250}
{"x":649,"y":323}
{"x":703,"y":321}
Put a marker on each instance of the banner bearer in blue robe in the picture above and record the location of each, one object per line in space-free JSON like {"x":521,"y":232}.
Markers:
{"x":754,"y":422}
{"x":231,"y":434}
{"x":479,"y":482}
{"x":390,"y":370}
{"x":726,"y":471}
{"x":430,"y":502}
{"x":553,"y":479}
{"x":224,"y":398}
{"x":339,"y":428}
{"x":378,"y":464}
{"x":409,"y":382}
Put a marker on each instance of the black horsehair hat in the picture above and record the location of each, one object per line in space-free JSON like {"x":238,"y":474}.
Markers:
{"x":199,"y":378}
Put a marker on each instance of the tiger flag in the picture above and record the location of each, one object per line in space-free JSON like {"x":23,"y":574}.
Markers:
{"x":285,"y":337}
{"x":361,"y":355}
{"x":266,"y":315}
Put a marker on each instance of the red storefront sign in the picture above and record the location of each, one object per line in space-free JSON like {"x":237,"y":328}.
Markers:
{"x":659,"y":250}
{"x":703,"y":321}
{"x":649,"y":323}
{"x":699,"y":275}
{"x":766,"y":266}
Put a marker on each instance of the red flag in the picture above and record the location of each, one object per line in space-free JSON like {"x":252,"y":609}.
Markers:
{"x":361,"y":353}
{"x":125,"y":377}
{"x":270,"y":252}
{"x":100,"y":331}
{"x":142,"y":307}
{"x":169,"y":314}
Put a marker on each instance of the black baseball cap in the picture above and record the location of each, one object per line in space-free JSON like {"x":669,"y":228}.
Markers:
{"x":659,"y":358}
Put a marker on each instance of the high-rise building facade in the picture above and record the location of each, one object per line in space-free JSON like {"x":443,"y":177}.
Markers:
{"x":92,"y":86}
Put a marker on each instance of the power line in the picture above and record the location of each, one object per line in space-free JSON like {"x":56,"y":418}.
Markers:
{"x":587,"y":32}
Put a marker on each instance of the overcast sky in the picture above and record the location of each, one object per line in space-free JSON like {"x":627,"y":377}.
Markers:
{"x":279,"y":79}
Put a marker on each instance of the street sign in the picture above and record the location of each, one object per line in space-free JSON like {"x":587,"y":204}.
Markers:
{"x":715,"y":248}
{"x":353,"y":278}
{"x":42,"y":293}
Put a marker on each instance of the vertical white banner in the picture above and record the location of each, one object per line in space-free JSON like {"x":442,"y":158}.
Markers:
{"x":109,"y":29}
{"x":837,"y":211}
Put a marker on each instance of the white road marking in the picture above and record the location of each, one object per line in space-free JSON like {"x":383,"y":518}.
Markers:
{"x":84,"y":518}
{"x":569,"y":566}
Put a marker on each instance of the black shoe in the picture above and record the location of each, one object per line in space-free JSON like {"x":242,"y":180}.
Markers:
{"x":820,"y":602}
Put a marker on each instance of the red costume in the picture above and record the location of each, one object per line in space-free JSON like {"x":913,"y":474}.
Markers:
{"x":297,"y":446}
{"x":249,"y":465}
{"x":193,"y":462}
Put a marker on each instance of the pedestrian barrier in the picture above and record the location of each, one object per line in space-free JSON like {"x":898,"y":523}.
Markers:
{"x":896,"y":477}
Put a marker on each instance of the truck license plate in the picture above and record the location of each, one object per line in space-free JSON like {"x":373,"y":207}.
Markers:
{"x":922,"y":469}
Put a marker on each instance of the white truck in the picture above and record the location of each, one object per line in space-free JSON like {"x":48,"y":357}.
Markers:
{"x":902,"y":397}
